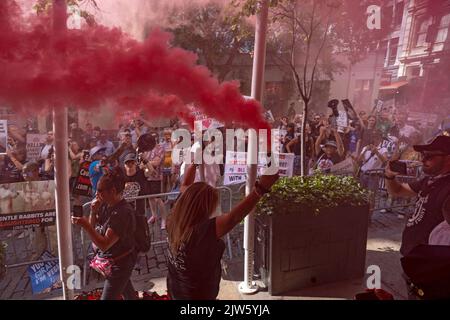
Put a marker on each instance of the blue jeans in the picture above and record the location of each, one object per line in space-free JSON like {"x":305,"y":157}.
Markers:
{"x":119,"y":284}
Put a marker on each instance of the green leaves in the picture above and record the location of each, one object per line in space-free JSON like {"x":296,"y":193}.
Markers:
{"x":313,"y":192}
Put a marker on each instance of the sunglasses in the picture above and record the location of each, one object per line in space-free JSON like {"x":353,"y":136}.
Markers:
{"x":430,"y":156}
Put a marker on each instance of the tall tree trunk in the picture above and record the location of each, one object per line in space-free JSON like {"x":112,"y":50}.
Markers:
{"x":302,"y":138}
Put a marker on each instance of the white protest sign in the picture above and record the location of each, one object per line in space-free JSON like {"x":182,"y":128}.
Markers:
{"x":3,"y":136}
{"x":379,"y":106}
{"x":34,"y":146}
{"x":342,"y":121}
{"x":235,"y":170}
{"x":346,"y":167}
{"x":285,"y":163}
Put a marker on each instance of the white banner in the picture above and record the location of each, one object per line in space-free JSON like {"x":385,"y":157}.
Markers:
{"x":236,"y":166}
{"x":346,"y":167}
{"x":34,"y":146}
{"x":342,"y":121}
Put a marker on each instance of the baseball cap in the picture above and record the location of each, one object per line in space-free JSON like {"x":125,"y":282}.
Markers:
{"x":95,"y":150}
{"x":129,"y":157}
{"x":330,"y":143}
{"x":439,"y":144}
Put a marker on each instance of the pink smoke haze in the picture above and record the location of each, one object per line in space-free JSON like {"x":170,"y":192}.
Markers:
{"x":98,"y":65}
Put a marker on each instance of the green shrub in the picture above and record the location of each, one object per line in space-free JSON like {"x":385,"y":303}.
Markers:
{"x":312,"y":193}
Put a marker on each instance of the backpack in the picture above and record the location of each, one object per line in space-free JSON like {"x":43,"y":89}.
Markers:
{"x":142,"y":236}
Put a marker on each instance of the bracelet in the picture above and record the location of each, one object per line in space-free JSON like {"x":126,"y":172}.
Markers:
{"x":389,"y":178}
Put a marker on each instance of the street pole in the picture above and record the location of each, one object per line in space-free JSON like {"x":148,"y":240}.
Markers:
{"x":259,"y":61}
{"x":64,"y":227}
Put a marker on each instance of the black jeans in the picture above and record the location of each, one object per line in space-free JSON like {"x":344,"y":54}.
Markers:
{"x":119,"y":284}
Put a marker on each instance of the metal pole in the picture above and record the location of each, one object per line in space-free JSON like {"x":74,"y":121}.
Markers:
{"x":64,"y":227}
{"x":248,"y":286}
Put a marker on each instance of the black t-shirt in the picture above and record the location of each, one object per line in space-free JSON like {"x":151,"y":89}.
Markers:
{"x":121,"y":219}
{"x":9,"y":172}
{"x":195,"y":272}
{"x":428,"y":212}
{"x":136,"y":185}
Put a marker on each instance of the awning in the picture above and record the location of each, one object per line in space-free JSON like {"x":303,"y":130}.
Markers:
{"x":394,"y":86}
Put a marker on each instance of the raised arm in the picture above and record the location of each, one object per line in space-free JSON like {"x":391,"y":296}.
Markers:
{"x":226,"y":222}
{"x":189,"y":177}
{"x":340,"y":144}
{"x":396,"y":188}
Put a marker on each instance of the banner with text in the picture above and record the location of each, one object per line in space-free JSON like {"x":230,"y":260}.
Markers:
{"x":27,"y":204}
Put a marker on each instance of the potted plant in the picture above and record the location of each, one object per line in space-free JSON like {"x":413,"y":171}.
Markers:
{"x":311,"y":230}
{"x":2,"y":260}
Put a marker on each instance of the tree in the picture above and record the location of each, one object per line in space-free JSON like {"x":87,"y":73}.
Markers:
{"x":81,"y":6}
{"x":217,"y":40}
{"x":306,"y":35}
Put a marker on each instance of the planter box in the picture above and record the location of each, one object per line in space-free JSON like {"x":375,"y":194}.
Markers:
{"x":296,"y":250}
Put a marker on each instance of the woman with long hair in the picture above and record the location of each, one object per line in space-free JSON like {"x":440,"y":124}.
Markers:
{"x":111,"y":227}
{"x":195,"y":245}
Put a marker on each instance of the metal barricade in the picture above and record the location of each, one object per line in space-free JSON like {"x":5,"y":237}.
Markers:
{"x":382,"y":200}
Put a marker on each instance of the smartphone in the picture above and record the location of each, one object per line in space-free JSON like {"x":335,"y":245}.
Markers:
{"x":77,"y":211}
{"x":399,"y":167}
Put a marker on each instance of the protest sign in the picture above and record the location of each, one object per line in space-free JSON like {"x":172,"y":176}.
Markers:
{"x":235,"y":168}
{"x":44,"y":276}
{"x":342,"y":121}
{"x":83,"y":184}
{"x":346,"y":167}
{"x":34,"y":146}
{"x":27,"y":204}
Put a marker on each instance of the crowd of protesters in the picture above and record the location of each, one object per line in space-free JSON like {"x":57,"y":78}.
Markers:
{"x":367,"y":140}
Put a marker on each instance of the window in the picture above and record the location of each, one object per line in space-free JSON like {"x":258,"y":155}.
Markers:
{"x":393,"y":51}
{"x":399,"y":7}
{"x":443,"y":29}
{"x":421,"y":31}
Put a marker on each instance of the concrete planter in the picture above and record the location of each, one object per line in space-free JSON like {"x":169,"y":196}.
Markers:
{"x":297,"y":249}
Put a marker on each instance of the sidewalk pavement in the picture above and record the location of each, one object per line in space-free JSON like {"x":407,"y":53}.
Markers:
{"x":382,"y":249}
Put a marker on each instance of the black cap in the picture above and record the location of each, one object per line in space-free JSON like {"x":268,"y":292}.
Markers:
{"x":129,"y":157}
{"x":440,"y":144}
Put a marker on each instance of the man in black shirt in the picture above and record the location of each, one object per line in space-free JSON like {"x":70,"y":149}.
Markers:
{"x":433,"y":192}
{"x":333,"y":151}
{"x":136,"y":184}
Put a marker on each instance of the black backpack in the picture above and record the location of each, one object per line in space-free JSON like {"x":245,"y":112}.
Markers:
{"x":142,"y":236}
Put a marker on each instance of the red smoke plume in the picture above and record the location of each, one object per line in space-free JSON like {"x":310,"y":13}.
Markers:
{"x":89,"y":67}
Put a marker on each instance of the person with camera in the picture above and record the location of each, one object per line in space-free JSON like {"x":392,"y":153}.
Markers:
{"x":372,"y":159}
{"x":13,"y":163}
{"x":195,"y":245}
{"x":111,"y":227}
{"x":333,"y":151}
{"x":432,"y":192}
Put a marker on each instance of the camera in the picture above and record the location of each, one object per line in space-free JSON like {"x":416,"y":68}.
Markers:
{"x":398,"y":166}
{"x":77,"y":211}
{"x":50,"y":152}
